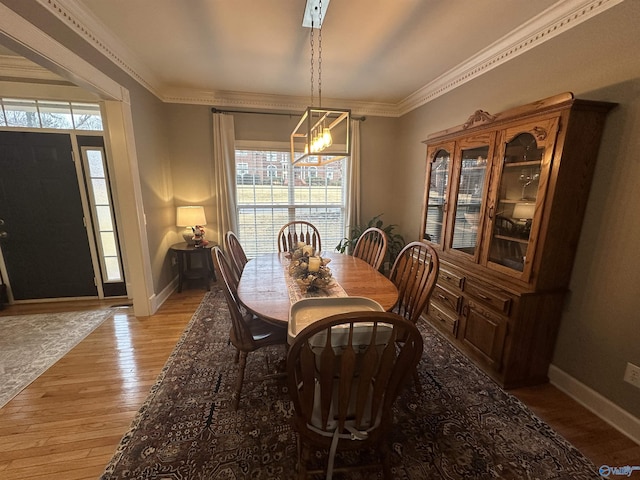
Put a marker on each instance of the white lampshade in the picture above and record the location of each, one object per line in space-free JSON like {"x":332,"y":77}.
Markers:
{"x":190,"y":216}
{"x":524,"y":211}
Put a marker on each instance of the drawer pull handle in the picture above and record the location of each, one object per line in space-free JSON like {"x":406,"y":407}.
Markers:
{"x":441,"y":297}
{"x":484,"y":297}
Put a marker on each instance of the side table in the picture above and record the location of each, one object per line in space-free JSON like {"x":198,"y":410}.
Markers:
{"x":185,"y":254}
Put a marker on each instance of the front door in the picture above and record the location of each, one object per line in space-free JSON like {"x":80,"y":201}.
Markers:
{"x":45,"y":247}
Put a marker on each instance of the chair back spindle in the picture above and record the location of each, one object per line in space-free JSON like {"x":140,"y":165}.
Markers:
{"x":298,"y":231}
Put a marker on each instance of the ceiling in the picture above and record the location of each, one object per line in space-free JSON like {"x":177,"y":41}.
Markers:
{"x":385,"y":56}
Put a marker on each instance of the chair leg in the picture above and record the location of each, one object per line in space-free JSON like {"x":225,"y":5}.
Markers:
{"x":240,"y":379}
{"x":385,"y":457}
{"x":303,"y":457}
{"x":416,"y":381}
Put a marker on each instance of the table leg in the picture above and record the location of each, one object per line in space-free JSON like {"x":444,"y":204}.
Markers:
{"x":180,"y":270}
{"x":207,"y":261}
{"x":212,"y":270}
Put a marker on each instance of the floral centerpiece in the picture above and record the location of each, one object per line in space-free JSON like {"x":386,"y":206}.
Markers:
{"x":308,"y":269}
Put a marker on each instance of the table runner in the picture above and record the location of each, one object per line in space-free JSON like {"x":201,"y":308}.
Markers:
{"x":334,"y":289}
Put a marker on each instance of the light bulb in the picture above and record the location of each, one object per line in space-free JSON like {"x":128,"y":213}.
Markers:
{"x":326,"y":137}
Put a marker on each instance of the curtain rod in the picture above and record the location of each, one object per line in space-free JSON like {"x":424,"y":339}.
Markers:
{"x":290,"y":114}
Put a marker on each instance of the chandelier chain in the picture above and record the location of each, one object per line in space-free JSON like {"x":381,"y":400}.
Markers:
{"x":312,"y":27}
{"x":320,"y":55}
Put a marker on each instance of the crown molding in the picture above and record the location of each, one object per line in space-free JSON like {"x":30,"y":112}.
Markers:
{"x":254,"y":101}
{"x":557,"y":19}
{"x":28,"y":40}
{"x":93,"y":31}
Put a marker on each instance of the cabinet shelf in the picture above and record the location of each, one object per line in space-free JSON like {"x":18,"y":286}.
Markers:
{"x":513,"y":201}
{"x":523,"y":241}
{"x":528,"y":163}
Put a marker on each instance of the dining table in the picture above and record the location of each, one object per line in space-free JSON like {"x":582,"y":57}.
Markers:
{"x":267,"y":289}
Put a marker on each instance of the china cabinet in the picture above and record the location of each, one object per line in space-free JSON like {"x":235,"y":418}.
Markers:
{"x":504,"y":201}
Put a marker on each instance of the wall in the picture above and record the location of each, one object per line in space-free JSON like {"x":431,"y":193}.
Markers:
{"x":382,"y":191}
{"x":151,"y":125}
{"x":191,"y":150}
{"x":600,"y":326}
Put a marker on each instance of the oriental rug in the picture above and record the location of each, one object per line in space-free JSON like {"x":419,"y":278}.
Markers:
{"x":461,"y":426}
{"x":30,"y":344}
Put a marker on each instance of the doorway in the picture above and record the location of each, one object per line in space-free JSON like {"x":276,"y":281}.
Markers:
{"x":46,"y":246}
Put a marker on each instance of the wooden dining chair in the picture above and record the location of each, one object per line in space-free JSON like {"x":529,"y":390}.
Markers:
{"x":298,"y":231}
{"x":235,"y":251}
{"x":414,"y":273}
{"x":371,"y":247}
{"x":344,"y":373}
{"x":248,"y":333}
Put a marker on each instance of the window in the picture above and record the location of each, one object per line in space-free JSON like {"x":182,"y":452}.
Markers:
{"x":15,"y":112}
{"x":267,"y":199}
{"x":100,"y":195}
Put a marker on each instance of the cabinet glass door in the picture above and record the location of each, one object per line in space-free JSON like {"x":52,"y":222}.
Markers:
{"x":467,"y":224}
{"x":437,"y":196}
{"x":520,"y":193}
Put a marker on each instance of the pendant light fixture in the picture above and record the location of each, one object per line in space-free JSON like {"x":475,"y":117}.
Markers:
{"x":323,"y":135}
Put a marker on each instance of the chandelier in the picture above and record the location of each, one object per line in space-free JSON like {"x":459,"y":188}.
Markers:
{"x":323,"y":135}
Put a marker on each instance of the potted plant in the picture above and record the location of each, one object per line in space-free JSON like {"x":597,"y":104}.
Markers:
{"x":395,"y":241}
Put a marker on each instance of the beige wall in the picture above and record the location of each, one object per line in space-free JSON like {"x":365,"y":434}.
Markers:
{"x":151,"y":125}
{"x":191,"y":150}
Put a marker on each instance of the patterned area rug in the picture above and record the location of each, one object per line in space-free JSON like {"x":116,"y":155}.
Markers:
{"x":30,"y":344}
{"x":461,"y":426}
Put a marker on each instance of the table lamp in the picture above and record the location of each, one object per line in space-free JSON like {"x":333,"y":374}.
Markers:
{"x":524,"y":213}
{"x":193,"y":218}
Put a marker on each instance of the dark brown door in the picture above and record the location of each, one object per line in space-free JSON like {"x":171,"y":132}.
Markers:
{"x":46,"y":247}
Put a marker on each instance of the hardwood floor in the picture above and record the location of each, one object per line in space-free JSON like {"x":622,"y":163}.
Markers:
{"x":67,"y":423}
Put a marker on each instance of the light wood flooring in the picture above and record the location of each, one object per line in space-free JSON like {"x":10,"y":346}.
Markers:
{"x":66,"y":424}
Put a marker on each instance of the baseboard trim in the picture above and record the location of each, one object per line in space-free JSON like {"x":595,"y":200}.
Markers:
{"x":157,"y":300}
{"x":604,"y":408}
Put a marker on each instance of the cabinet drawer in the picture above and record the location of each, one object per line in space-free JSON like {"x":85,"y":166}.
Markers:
{"x":447,"y":298}
{"x":445,"y":320}
{"x":450,"y":278}
{"x":496,"y":298}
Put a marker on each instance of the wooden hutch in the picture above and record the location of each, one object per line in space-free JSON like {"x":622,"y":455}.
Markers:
{"x":505,"y":197}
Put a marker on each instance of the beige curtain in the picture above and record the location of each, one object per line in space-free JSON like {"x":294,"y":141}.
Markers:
{"x":353,"y":180}
{"x":224,"y":175}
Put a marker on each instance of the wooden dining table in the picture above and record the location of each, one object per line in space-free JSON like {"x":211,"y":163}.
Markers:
{"x":264,"y":291}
